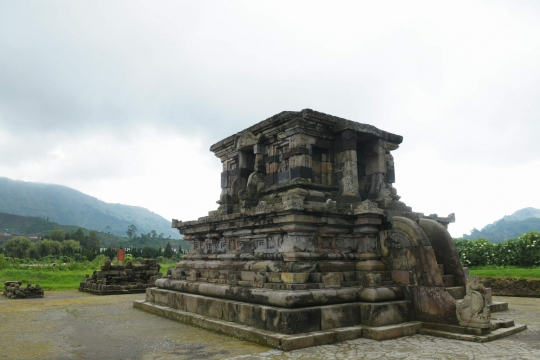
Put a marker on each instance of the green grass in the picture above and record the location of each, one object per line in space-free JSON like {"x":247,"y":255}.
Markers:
{"x":507,"y":271}
{"x":49,"y":279}
{"x":54,"y":278}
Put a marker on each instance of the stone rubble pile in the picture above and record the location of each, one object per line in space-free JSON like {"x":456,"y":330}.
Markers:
{"x":15,"y":290}
{"x":128,"y":278}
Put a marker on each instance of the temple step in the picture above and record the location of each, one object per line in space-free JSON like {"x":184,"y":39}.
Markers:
{"x":457,"y":292}
{"x":501,"y":323}
{"x":285,"y":342}
{"x":449,"y":280}
{"x":441,"y":268}
{"x":497,"y":306}
{"x":493,"y":335}
{"x":328,"y":315}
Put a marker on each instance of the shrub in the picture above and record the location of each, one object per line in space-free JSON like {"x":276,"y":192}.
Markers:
{"x":523,"y":251}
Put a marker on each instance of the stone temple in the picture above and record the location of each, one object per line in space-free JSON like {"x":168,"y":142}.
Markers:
{"x":311,"y":245}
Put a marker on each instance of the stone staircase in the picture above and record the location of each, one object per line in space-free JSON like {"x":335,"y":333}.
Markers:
{"x":500,"y":327}
{"x":458,"y":292}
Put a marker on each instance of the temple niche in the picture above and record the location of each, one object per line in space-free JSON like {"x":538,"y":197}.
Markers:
{"x":311,"y":244}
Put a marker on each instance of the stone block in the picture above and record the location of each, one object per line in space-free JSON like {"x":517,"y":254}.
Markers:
{"x":273,"y":277}
{"x":332,"y":280}
{"x":315,"y":277}
{"x":251,"y":315}
{"x":403,"y":277}
{"x":349,"y":276}
{"x":247,"y":275}
{"x":448,"y":280}
{"x":294,"y":286}
{"x":294,"y":278}
{"x":337,"y":316}
{"x":336,"y":266}
{"x":284,"y":177}
{"x":294,"y":321}
{"x":457,"y":292}
{"x":379,"y":294}
{"x":193,"y":275}
{"x":434,"y":304}
{"x":209,"y":307}
{"x":175,"y":300}
{"x":347,"y":155}
{"x":370,"y":265}
{"x":385,"y":313}
{"x":273,"y":286}
{"x":371,"y":280}
{"x":259,"y":280}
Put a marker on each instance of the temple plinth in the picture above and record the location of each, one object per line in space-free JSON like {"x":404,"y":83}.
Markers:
{"x":310,"y":243}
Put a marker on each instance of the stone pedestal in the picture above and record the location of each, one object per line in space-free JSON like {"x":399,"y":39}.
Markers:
{"x":310,"y":244}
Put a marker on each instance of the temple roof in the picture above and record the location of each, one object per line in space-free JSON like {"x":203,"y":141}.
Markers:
{"x":338,"y":124}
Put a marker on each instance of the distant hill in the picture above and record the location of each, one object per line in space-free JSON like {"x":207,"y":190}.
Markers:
{"x":64,"y":205}
{"x":509,"y":227}
{"x":17,"y":225}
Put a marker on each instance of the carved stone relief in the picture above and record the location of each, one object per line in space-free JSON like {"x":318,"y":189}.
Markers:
{"x":193,"y":275}
{"x":259,"y":280}
{"x":332,"y":280}
{"x":473,"y":310}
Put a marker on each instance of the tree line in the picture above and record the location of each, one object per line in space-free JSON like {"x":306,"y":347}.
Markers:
{"x":147,"y":252}
{"x":57,"y":243}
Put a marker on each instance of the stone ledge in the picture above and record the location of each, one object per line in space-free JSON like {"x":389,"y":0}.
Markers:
{"x":388,"y":332}
{"x":284,"y":298}
{"x":498,"y":306}
{"x":276,"y":340}
{"x":494,"y":335}
{"x":114,"y":292}
{"x":285,"y":320}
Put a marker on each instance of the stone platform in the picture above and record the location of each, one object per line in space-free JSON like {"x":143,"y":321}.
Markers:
{"x":114,"y":292}
{"x":291,"y":329}
{"x":311,"y":244}
{"x":282,"y":341}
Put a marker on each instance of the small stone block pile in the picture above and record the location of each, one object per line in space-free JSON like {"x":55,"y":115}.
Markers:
{"x":122,"y":279}
{"x":15,"y":290}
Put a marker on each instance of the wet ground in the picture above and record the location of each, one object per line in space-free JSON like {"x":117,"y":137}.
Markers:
{"x":74,"y":325}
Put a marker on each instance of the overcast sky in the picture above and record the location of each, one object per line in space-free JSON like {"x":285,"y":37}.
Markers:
{"x":121,"y":100}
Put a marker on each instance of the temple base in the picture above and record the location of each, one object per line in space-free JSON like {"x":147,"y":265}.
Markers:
{"x":281,"y":341}
{"x":296,"y":328}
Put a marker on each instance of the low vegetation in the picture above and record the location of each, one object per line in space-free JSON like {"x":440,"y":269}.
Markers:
{"x":522,"y":252}
{"x":55,"y":275}
{"x":506,"y":272}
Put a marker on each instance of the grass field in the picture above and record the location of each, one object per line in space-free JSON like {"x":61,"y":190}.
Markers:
{"x":53,"y":278}
{"x":508,"y":271}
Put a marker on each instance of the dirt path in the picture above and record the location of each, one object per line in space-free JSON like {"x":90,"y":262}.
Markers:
{"x":74,"y":325}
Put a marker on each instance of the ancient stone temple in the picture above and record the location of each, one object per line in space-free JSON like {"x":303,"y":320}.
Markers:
{"x":311,"y":244}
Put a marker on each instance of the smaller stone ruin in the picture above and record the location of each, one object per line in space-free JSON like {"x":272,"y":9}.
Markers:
{"x":122,"y":279}
{"x":15,"y":290}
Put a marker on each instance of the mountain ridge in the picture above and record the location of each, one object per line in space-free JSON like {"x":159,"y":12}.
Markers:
{"x":64,"y":205}
{"x":509,"y":226}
